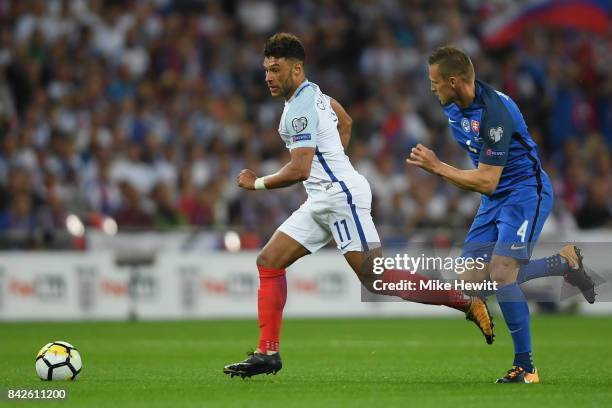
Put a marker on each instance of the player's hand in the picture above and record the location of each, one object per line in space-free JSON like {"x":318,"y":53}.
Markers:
{"x":424,"y":158}
{"x":246,"y":179}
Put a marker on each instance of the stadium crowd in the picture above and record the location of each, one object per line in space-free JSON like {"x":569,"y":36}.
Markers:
{"x":146,"y":111}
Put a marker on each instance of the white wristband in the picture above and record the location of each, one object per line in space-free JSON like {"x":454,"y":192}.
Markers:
{"x":259,"y":183}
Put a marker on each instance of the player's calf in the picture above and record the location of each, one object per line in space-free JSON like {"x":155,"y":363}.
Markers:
{"x":475,"y":309}
{"x":475,"y":275}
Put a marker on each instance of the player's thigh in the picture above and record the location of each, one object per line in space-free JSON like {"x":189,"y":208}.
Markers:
{"x":482,"y":236}
{"x":299,"y":235}
{"x":353,"y":229}
{"x":348,"y":216}
{"x":520,"y":222}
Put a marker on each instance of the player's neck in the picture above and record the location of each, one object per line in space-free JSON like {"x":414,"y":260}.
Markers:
{"x":466,"y":96}
{"x":298,"y":83}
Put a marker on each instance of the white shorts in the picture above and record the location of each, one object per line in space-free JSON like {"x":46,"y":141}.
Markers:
{"x":342,"y":211}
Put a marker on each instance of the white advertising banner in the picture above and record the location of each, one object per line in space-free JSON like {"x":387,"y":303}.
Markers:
{"x":226,"y":285}
{"x":178,"y":285}
{"x":61,"y":286}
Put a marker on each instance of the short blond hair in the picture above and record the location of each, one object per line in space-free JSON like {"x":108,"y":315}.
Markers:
{"x":452,"y":61}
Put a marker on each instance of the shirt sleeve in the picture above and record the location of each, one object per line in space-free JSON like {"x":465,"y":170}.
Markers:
{"x":498,"y":128}
{"x":301,"y":122}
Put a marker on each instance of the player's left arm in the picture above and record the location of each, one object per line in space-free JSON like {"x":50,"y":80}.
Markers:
{"x":483,"y":179}
{"x":345,"y":123}
{"x":298,"y":169}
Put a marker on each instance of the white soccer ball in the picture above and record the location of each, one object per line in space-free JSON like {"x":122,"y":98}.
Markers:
{"x":58,"y":361}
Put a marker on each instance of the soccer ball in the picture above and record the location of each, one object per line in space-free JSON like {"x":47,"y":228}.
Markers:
{"x":58,"y":361}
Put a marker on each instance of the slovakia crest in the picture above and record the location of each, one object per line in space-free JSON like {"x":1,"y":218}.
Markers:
{"x":475,"y":126}
{"x":299,"y":124}
{"x":495,"y":134}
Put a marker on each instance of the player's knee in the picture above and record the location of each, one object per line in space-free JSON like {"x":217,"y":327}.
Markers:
{"x":362,"y":263}
{"x":267,"y":260}
{"x":503,"y":270}
{"x":475,"y":274}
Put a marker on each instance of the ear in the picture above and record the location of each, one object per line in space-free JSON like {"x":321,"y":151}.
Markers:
{"x":297,"y":68}
{"x":452,"y":81}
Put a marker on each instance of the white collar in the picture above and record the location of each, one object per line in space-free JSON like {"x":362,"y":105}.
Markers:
{"x":298,"y":90}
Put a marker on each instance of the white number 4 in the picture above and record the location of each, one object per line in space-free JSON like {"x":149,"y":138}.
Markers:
{"x":522,"y":230}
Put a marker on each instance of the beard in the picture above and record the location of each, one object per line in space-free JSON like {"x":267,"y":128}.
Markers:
{"x":286,"y":87}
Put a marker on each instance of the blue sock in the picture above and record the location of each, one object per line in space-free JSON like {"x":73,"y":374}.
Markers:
{"x":524,"y":360}
{"x":516,"y":314}
{"x":554,"y":265}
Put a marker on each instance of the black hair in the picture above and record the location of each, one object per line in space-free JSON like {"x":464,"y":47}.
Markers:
{"x":285,"y":45}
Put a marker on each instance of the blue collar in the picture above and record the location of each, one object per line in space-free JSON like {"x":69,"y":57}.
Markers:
{"x":299,"y":90}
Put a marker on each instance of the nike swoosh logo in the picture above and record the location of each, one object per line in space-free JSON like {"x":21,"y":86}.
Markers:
{"x":514,"y":331}
{"x":451,"y":121}
{"x":344,"y":246}
{"x":517,"y":247}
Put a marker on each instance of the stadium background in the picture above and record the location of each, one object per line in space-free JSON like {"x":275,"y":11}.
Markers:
{"x":123,"y":125}
{"x":146,"y":111}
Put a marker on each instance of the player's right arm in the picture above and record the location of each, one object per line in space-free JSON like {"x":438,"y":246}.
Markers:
{"x":345,"y":123}
{"x":298,"y":169}
{"x":483,"y":179}
{"x":301,"y":123}
{"x":497,"y":127}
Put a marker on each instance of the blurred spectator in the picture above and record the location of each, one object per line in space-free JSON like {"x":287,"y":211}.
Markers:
{"x":166,"y":214}
{"x":595,"y":212}
{"x":132,"y":213}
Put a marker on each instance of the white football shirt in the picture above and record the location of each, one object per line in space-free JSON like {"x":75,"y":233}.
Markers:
{"x":309,"y":121}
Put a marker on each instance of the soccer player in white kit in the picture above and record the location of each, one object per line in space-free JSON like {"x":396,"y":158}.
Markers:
{"x":315,"y":129}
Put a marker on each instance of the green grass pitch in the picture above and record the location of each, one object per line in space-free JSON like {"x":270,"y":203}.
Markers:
{"x":417,"y":362}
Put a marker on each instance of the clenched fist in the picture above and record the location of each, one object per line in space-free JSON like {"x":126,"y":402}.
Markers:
{"x":246,"y":179}
{"x":424,"y":158}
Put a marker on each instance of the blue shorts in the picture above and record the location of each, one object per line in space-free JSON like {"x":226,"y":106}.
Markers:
{"x":511,"y":224}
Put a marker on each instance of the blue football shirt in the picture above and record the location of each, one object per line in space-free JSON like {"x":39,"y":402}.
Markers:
{"x":492,"y":131}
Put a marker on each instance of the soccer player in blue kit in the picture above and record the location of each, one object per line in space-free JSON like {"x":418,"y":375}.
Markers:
{"x":516,"y":196}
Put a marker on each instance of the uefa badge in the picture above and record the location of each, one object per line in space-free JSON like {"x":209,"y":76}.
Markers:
{"x":495,"y":134}
{"x":299,"y":124}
